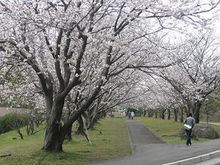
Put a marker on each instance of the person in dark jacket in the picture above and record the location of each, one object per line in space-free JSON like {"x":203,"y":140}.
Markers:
{"x":190,"y":122}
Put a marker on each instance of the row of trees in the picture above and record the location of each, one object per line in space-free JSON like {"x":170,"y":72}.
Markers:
{"x":188,"y":84}
{"x":84,"y":57}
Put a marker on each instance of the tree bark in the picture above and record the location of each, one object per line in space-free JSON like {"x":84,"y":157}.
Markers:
{"x":181,"y":115}
{"x":162,"y":114}
{"x":80,"y":128}
{"x":197,"y":111}
{"x":93,"y":114}
{"x":68,"y":135}
{"x":20,"y":134}
{"x":55,"y":132}
{"x":168,"y":111}
{"x":53,"y":140}
{"x":175,"y":114}
{"x":54,"y":135}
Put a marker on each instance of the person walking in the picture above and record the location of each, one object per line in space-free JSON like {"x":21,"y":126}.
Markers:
{"x":129,"y":115}
{"x":189,"y":124}
{"x":132,"y":115}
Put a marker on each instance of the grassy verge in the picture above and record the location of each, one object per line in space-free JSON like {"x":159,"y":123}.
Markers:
{"x":168,"y":130}
{"x":105,"y":139}
{"x":217,"y":128}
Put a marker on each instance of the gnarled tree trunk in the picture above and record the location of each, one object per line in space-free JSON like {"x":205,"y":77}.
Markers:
{"x":80,"y":128}
{"x":54,"y":136}
{"x":68,"y":135}
{"x":53,"y":139}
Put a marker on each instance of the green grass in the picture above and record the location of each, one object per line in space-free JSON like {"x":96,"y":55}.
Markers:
{"x":168,"y":130}
{"x":217,"y":128}
{"x":109,"y":140}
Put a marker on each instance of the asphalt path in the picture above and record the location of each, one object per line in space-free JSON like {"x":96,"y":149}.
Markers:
{"x":150,"y":150}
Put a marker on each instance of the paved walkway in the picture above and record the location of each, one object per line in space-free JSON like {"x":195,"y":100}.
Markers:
{"x":150,"y":150}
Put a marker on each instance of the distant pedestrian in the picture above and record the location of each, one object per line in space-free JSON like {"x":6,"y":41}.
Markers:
{"x":129,"y":115}
{"x":132,"y":115}
{"x":188,"y":125}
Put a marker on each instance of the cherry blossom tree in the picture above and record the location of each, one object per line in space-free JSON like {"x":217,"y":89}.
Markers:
{"x":59,"y":39}
{"x":167,"y":98}
{"x":198,"y":76}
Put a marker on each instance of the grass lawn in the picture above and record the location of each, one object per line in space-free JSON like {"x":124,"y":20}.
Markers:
{"x":168,"y":130}
{"x":105,"y":139}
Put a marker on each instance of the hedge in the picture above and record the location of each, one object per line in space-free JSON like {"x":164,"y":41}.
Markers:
{"x":12,"y":121}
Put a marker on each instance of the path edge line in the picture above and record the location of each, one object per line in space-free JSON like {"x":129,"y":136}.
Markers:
{"x":130,"y":140}
{"x":199,"y":158}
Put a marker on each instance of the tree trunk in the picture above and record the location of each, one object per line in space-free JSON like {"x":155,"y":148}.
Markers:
{"x":175,"y":114}
{"x":53,"y":140}
{"x":194,"y":108}
{"x":30,"y":127}
{"x":93,"y":121}
{"x":93,"y":115}
{"x":196,"y":115}
{"x":20,"y":134}
{"x":68,"y":135}
{"x":162,"y":114}
{"x":168,"y":111}
{"x":54,"y":136}
{"x":144,"y":113}
{"x":80,"y":128}
{"x":197,"y":111}
{"x":181,"y":115}
{"x":74,"y":116}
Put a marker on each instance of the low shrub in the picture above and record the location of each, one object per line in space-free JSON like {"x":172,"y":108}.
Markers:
{"x":12,"y":121}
